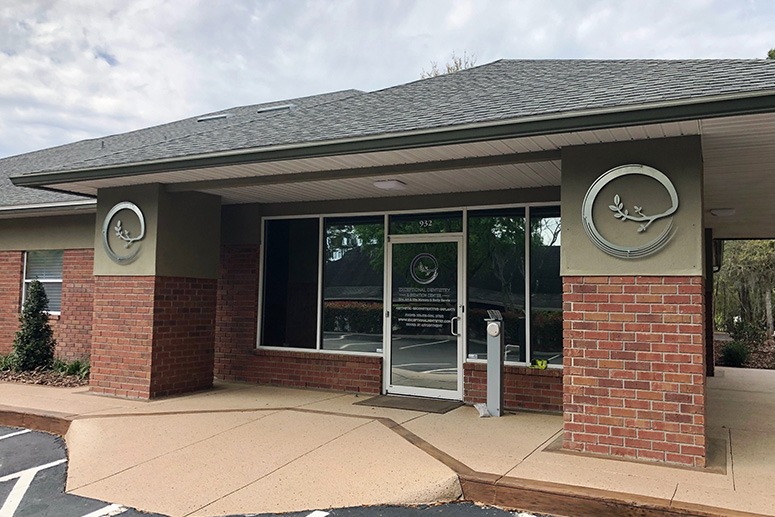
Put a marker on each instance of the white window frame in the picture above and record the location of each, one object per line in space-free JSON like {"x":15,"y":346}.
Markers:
{"x":26,"y":281}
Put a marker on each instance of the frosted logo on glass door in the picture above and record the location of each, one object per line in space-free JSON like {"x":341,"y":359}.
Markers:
{"x":424,"y":268}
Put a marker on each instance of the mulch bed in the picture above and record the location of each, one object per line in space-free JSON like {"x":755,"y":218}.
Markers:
{"x":44,"y":377}
{"x":762,"y":355}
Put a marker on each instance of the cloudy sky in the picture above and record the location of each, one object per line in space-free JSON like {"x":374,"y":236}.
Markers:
{"x":75,"y":69}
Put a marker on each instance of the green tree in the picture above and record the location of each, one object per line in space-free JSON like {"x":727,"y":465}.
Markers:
{"x":771,"y":54}
{"x":34,"y":344}
{"x":743,"y":288}
{"x":455,"y":64}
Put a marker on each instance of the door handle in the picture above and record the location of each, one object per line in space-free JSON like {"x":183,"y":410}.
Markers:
{"x":453,"y":327}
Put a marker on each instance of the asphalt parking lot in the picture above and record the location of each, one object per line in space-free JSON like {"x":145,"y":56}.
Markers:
{"x":33,"y":469}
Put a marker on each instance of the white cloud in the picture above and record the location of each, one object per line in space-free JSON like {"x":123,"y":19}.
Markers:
{"x":72,"y":69}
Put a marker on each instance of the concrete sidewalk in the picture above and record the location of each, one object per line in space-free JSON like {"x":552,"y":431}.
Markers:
{"x":250,"y":449}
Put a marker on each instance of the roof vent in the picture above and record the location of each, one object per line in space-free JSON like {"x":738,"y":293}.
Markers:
{"x":275,"y":108}
{"x":213,"y":117}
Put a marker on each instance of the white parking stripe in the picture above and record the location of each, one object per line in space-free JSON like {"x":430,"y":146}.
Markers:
{"x":17,"y":493}
{"x":34,"y":470}
{"x":17,"y":433}
{"x":108,"y":511}
{"x":317,"y":513}
{"x":21,"y":486}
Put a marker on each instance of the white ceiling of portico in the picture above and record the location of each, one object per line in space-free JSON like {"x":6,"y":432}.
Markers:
{"x":738,"y":154}
{"x":517,"y":175}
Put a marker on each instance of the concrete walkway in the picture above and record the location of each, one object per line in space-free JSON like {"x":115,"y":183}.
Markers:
{"x":250,"y":449}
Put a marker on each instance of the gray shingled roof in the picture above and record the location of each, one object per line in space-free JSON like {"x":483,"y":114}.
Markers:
{"x":503,"y":90}
{"x":64,"y":156}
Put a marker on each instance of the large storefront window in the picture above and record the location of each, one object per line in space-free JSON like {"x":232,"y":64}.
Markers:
{"x":289,"y":316}
{"x":496,"y":278}
{"x":353,"y":284}
{"x":331,"y":296}
{"x":545,"y":285}
{"x":498,"y":255}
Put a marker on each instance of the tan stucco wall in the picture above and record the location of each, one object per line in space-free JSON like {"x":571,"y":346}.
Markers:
{"x":47,"y":233}
{"x":241,"y":224}
{"x":182,"y":233}
{"x":146,"y":197}
{"x":680,"y":159}
{"x":189,"y":235}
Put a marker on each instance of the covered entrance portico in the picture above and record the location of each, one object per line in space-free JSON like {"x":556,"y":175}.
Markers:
{"x":634,"y":347}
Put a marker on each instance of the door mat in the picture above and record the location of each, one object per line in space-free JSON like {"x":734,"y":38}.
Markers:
{"x":411,"y":403}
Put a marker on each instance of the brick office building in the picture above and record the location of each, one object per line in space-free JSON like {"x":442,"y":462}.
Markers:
{"x":354,"y":241}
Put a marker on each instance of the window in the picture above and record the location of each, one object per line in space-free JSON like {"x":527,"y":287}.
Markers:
{"x":499,"y":252}
{"x":353,"y":284}
{"x":545,"y":285}
{"x":496,"y":278}
{"x":431,"y":222}
{"x":45,"y":266}
{"x":290,"y":283}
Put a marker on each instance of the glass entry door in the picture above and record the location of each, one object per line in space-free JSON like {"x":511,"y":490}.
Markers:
{"x":424,"y":341}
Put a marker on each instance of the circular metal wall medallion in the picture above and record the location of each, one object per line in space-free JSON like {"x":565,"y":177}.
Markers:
{"x":424,"y":268}
{"x":639,"y":213}
{"x":122,"y":233}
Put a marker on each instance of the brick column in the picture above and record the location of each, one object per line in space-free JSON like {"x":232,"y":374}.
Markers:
{"x":152,"y":336}
{"x":237,"y":311}
{"x":154,"y":311}
{"x":634,"y":364}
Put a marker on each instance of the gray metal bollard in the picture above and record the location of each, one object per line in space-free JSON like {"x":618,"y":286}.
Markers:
{"x":495,"y":355}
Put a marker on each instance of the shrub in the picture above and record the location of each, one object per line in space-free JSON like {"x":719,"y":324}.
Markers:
{"x":735,"y":353}
{"x":34,"y":344}
{"x":7,"y":362}
{"x":746,"y":331}
{"x":78,"y":368}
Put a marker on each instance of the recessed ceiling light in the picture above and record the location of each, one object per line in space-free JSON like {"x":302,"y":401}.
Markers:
{"x":390,"y":184}
{"x":722,"y":212}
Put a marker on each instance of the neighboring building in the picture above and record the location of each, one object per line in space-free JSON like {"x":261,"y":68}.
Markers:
{"x":355,"y":241}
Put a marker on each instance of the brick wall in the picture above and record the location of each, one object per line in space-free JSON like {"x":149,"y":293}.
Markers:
{"x":183,"y":335}
{"x":524,"y":388}
{"x":122,"y":333}
{"x":152,"y":336}
{"x":73,"y":328}
{"x":634,"y":382}
{"x":236,"y":357}
{"x":351,"y":373}
{"x":11,"y":271}
{"x":237,"y":311}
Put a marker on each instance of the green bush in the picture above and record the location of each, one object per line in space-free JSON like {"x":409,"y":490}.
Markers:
{"x":79,"y":368}
{"x":7,"y":362}
{"x":34,"y":344}
{"x":735,"y":353}
{"x":746,"y":331}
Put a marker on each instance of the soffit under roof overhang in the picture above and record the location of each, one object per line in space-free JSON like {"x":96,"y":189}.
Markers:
{"x":738,"y":147}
